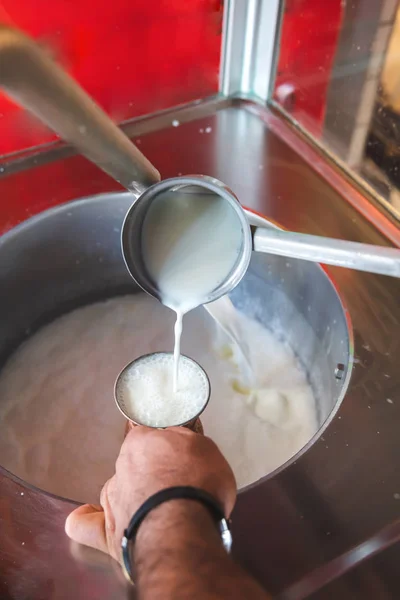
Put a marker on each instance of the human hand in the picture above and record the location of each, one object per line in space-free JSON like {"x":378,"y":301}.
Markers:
{"x":151,"y":460}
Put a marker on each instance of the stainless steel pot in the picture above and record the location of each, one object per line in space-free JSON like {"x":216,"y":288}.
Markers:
{"x":70,"y":256}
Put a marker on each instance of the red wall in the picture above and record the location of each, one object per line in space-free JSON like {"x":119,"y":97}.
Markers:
{"x":132,"y":56}
{"x":140,"y":56}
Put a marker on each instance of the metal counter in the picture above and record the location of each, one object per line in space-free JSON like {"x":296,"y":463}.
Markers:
{"x":346,"y":487}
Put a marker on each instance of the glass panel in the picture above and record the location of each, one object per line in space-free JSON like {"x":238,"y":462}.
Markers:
{"x":133,"y":57}
{"x":338,"y":77}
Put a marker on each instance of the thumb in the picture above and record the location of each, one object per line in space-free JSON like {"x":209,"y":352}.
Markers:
{"x":86,"y":525}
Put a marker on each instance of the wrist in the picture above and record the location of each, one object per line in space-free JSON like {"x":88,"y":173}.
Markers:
{"x":173,"y":528}
{"x":178,"y":518}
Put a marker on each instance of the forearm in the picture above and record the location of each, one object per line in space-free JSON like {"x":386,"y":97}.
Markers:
{"x":178,"y":555}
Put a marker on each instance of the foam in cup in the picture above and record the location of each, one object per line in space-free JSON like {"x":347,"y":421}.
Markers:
{"x":144,"y":390}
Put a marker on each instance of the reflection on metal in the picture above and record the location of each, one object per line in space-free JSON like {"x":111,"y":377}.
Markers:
{"x":250,"y":27}
{"x":139,"y":126}
{"x":337,"y":567}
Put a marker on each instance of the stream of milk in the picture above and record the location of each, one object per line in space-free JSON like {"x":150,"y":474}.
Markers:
{"x":190,"y":243}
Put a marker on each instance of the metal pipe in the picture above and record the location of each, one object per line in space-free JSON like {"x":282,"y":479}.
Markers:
{"x":34,"y":80}
{"x":352,"y":255}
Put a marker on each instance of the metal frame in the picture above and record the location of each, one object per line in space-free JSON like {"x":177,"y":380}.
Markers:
{"x":250,"y":30}
{"x":345,"y":168}
{"x":250,"y":50}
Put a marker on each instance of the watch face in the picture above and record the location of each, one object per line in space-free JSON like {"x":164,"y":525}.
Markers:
{"x":127,"y":562}
{"x":226,"y":535}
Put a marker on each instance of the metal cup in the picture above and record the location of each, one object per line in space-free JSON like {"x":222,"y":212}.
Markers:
{"x":196,"y":426}
{"x":193,"y":423}
{"x":131,"y":235}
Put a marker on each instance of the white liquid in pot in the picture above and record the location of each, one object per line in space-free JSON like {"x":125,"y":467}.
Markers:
{"x":60,"y":428}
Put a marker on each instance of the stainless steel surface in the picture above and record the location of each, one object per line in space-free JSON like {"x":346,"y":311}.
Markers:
{"x":31,"y":78}
{"x":294,"y":298}
{"x":249,"y":34}
{"x":315,"y":581}
{"x":125,"y":410}
{"x":352,"y":255}
{"x":132,"y":234}
{"x":346,"y":487}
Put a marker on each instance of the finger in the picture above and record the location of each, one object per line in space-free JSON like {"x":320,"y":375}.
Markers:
{"x":138,"y":435}
{"x":86,"y":525}
{"x":135,"y":433}
{"x":177,"y":429}
{"x":104,"y":495}
{"x":140,"y":430}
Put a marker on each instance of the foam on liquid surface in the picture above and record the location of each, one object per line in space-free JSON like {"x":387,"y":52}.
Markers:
{"x":145,"y":391}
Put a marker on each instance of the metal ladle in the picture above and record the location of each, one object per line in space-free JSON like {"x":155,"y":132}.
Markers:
{"x":31,"y":78}
{"x":363,"y":257}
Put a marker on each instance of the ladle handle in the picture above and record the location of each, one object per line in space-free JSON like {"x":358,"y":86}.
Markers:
{"x":36,"y":82}
{"x":352,"y":255}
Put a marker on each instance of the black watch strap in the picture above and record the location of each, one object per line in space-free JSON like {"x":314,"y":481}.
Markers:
{"x":174,"y":493}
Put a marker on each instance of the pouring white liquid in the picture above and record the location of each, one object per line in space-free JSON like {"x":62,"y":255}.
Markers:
{"x":60,"y":432}
{"x":191,"y":243}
